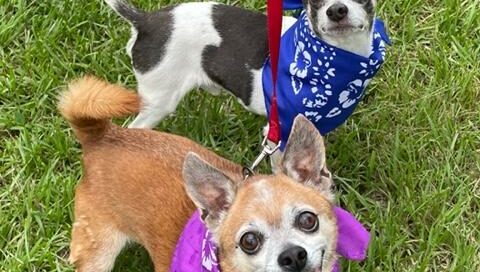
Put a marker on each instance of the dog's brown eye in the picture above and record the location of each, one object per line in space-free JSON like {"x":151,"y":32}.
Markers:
{"x":250,"y":242}
{"x":307,"y":221}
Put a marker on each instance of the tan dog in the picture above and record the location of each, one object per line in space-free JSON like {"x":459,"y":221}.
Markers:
{"x":141,"y":185}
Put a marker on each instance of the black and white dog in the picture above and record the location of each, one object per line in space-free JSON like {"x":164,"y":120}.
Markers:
{"x":219,"y":47}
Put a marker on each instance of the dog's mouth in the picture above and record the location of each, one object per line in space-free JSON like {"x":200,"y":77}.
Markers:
{"x":342,"y":29}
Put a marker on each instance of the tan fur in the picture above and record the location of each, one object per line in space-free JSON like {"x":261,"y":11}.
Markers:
{"x":90,"y":102}
{"x":132,"y":186}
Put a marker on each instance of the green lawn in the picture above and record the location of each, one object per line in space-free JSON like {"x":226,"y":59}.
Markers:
{"x":407,"y":163}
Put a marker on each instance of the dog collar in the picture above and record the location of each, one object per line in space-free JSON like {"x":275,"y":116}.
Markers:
{"x":196,"y":251}
{"x":318,"y":80}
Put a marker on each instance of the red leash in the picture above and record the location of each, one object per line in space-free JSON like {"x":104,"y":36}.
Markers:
{"x":274,"y":29}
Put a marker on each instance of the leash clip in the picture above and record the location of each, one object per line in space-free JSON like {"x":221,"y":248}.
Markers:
{"x":266,"y":152}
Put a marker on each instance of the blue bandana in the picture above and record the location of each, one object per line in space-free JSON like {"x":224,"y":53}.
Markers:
{"x":320,"y":81}
{"x":292,"y":4}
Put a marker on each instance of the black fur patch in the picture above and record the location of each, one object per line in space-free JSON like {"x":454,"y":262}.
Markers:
{"x":128,"y":12}
{"x":154,"y":30}
{"x":369,"y":9}
{"x":244,"y":47}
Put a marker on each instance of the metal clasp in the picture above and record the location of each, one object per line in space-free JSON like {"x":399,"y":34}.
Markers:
{"x":266,"y":152}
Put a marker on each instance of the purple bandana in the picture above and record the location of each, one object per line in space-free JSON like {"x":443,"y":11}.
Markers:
{"x":196,"y":252}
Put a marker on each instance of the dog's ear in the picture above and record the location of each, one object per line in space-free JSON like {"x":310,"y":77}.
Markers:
{"x":210,"y":189}
{"x":304,"y":159}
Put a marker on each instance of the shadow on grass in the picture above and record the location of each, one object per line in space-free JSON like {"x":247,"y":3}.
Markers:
{"x":134,"y":258}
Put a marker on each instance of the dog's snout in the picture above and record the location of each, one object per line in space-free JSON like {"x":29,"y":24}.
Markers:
{"x":337,"y":12}
{"x":293,"y":259}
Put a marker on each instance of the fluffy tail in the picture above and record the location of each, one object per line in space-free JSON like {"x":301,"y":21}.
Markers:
{"x":90,"y":103}
{"x":130,"y":13}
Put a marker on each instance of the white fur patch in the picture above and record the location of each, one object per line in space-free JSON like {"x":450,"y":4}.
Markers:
{"x":131,"y":42}
{"x":180,"y":69}
{"x":264,"y":192}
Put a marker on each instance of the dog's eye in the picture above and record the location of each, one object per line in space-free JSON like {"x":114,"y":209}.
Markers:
{"x":250,"y":242}
{"x":307,"y":222}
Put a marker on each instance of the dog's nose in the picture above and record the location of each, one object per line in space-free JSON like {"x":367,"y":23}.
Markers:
{"x":337,"y":12}
{"x":293,"y":259}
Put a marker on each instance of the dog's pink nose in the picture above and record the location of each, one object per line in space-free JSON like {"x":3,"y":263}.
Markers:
{"x":337,"y":12}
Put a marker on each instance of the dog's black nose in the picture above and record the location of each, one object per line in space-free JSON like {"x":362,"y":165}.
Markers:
{"x":293,"y":259}
{"x":337,"y":12}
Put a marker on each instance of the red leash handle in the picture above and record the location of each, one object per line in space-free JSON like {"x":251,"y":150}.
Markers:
{"x":274,"y":29}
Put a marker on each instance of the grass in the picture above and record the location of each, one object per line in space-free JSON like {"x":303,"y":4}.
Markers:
{"x":407,"y":163}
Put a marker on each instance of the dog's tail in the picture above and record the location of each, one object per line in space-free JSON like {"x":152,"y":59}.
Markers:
{"x":89,"y":103}
{"x":130,"y":13}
